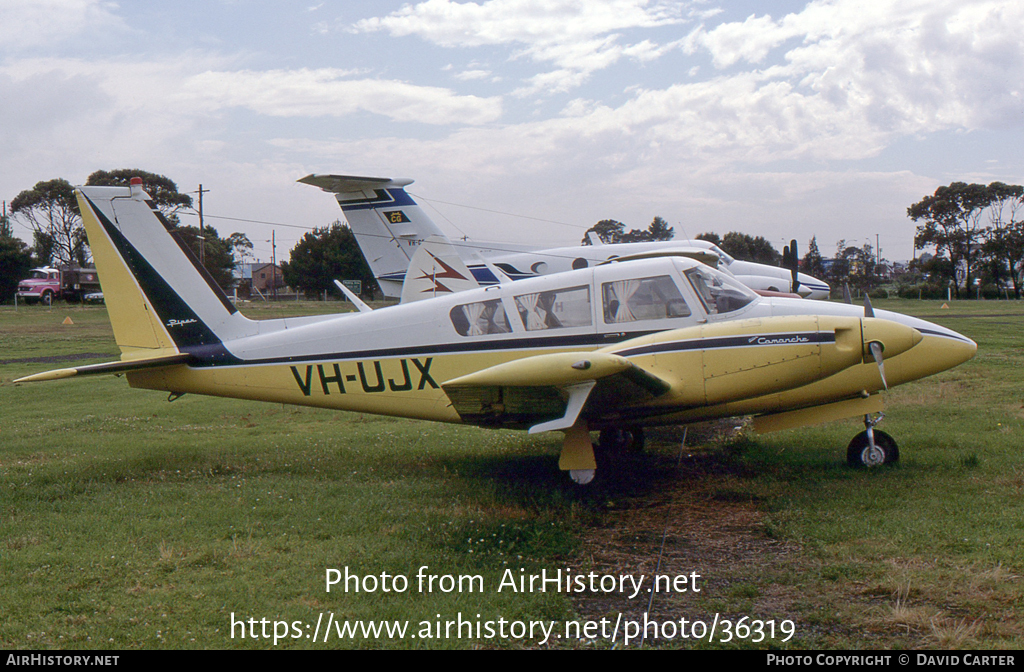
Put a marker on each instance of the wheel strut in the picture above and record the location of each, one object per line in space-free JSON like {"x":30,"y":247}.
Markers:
{"x":872,"y":447}
{"x":874,"y":453}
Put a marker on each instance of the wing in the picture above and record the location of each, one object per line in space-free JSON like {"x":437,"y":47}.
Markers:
{"x":549,"y":392}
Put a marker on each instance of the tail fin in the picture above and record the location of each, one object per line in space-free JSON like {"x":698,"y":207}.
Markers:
{"x":435,"y":270}
{"x":161,"y":301}
{"x":386,"y":221}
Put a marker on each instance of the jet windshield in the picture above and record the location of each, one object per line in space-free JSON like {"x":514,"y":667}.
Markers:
{"x":718,"y":292}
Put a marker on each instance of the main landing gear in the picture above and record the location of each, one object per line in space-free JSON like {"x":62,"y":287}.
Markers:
{"x":872,"y":447}
{"x":582,"y":459}
{"x":615,"y":440}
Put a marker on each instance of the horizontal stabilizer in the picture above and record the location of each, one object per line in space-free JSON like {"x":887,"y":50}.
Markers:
{"x":109,"y":367}
{"x":347,"y":184}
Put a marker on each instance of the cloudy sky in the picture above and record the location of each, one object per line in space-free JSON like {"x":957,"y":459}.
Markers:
{"x":526,"y":120}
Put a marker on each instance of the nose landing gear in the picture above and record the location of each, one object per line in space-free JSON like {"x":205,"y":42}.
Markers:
{"x":872,"y":447}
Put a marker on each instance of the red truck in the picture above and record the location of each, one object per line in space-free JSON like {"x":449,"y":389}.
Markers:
{"x":47,"y":284}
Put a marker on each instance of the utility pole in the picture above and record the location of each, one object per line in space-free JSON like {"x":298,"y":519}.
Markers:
{"x":878,"y":256}
{"x":273,"y":262}
{"x":202,"y":229}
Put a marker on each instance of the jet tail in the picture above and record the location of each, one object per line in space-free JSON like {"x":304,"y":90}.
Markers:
{"x":387,"y":223}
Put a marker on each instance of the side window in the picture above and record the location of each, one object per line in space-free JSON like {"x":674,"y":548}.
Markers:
{"x":478,"y":319}
{"x":654,"y":298}
{"x":719,"y":293}
{"x":555,"y":309}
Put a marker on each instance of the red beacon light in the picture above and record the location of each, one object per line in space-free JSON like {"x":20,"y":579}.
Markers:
{"x":136,"y":186}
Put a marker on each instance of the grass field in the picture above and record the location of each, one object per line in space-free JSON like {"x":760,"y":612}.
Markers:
{"x":130,"y":522}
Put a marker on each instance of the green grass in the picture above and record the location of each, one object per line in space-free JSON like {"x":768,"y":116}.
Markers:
{"x":130,"y":522}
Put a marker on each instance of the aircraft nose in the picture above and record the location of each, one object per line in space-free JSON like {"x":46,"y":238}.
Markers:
{"x":940,"y":349}
{"x":958,"y":349}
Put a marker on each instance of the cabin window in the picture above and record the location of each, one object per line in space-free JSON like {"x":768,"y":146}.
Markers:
{"x":719,"y":293}
{"x":481,"y":318}
{"x":654,"y":298}
{"x":556,"y":309}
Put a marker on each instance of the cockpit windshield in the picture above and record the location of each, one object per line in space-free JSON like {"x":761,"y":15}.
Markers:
{"x":718,"y":292}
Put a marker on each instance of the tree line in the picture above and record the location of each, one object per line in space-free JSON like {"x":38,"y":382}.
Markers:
{"x":976,"y":231}
{"x":50,"y":210}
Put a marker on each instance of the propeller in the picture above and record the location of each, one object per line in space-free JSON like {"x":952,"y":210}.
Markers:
{"x":876,"y":351}
{"x":874,"y":347}
{"x":846,"y":293}
{"x":791,"y":260}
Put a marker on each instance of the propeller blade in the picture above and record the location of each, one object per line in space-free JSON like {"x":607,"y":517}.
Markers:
{"x":869,"y":311}
{"x":794,"y":268}
{"x":876,"y":351}
{"x":846,"y":293}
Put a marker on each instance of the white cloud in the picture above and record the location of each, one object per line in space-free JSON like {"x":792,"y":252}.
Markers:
{"x":196,"y":85}
{"x":35,"y":23}
{"x":329,"y":92}
{"x":579,"y":37}
{"x":471,"y":75}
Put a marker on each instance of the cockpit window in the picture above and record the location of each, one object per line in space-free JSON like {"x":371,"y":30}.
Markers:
{"x":655,"y":298}
{"x":718,"y":292}
{"x":555,"y":309}
{"x":478,"y":319}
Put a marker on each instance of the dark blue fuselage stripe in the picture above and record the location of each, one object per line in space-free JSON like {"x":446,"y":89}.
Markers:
{"x":943,"y":334}
{"x":385,"y":198}
{"x":746,"y":341}
{"x":581,"y":340}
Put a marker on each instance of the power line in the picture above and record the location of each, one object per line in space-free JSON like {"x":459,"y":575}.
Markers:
{"x":499,"y":212}
{"x":467,"y":244}
{"x":249,"y":221}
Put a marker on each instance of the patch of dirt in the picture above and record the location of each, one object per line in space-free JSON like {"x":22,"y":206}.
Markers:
{"x":696,"y":519}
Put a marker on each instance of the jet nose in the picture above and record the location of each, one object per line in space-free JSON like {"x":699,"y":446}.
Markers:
{"x":812,"y":288}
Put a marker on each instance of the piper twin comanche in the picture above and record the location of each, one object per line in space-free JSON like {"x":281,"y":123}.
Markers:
{"x":612,"y":348}
{"x":389,"y":225}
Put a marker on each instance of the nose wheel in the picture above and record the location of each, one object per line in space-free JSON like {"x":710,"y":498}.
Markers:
{"x":872,"y":447}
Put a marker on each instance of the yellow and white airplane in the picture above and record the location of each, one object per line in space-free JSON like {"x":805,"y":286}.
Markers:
{"x":612,"y":348}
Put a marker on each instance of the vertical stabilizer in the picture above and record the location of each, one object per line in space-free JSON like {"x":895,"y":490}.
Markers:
{"x":387,"y":223}
{"x":160,"y":299}
{"x":435,"y":270}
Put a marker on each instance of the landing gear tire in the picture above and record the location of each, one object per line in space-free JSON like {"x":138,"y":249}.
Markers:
{"x":582,"y":476}
{"x":860,"y":455}
{"x":621,"y":440}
